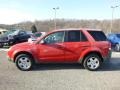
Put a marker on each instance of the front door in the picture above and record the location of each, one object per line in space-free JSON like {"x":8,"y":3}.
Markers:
{"x":52,"y":50}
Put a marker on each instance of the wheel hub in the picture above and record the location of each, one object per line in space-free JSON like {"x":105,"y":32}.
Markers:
{"x":24,"y":63}
{"x":93,"y":63}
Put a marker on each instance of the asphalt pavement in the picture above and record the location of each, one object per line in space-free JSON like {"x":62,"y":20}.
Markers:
{"x":60,"y":76}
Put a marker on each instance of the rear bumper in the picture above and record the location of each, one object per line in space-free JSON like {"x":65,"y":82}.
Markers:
{"x":108,"y":57}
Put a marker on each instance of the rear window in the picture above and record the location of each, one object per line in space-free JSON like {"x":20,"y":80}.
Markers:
{"x":98,"y":35}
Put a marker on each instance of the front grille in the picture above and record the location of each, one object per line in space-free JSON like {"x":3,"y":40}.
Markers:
{"x":4,"y":39}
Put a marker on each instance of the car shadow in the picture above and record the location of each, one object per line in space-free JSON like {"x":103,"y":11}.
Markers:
{"x":40,"y":67}
{"x":112,"y":65}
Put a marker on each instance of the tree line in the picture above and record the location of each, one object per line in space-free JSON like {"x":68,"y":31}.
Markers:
{"x":48,"y":25}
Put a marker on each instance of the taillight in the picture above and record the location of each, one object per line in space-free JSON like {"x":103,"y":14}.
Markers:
{"x":110,"y":46}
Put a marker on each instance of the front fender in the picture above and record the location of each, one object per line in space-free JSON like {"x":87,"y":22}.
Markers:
{"x":20,"y":51}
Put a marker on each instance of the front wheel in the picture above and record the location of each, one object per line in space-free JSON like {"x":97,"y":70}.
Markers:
{"x":24,"y":62}
{"x":92,"y":62}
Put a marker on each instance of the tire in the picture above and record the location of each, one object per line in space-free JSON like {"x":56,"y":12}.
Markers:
{"x":24,"y":62}
{"x":92,"y":62}
{"x":117,"y":47}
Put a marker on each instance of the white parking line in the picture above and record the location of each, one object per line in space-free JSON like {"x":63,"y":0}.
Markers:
{"x":115,"y":54}
{"x":3,"y":49}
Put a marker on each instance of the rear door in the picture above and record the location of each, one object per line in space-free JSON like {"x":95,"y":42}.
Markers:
{"x":75,"y":43}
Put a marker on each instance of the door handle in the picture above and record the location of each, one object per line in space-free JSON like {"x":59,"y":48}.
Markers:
{"x":85,"y":45}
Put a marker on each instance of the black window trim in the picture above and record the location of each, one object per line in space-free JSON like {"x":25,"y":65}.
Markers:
{"x":82,"y":34}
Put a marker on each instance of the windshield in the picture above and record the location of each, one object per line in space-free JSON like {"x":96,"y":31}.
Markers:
{"x":14,"y":32}
{"x":9,"y":32}
{"x":37,"y":34}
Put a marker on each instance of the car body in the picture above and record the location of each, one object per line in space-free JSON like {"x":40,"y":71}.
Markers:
{"x":86,"y":46}
{"x":13,"y":36}
{"x":35,"y":36}
{"x":115,"y":41}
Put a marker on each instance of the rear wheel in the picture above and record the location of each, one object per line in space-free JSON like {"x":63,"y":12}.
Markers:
{"x":92,"y":62}
{"x":24,"y":62}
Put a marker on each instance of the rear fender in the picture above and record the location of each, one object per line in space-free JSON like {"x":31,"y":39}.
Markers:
{"x":89,"y":51}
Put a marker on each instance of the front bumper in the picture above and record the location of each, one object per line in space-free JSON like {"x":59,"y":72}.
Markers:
{"x":10,"y":59}
{"x":6,"y":42}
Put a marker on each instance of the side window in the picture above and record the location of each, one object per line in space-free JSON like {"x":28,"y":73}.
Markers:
{"x":38,"y":34}
{"x":55,"y":37}
{"x":22,"y":32}
{"x":75,"y":36}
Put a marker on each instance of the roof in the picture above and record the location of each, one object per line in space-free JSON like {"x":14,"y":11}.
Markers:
{"x":78,"y":29}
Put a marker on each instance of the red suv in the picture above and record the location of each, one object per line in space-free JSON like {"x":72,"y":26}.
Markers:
{"x":86,"y":46}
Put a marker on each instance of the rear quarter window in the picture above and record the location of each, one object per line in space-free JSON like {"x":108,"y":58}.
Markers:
{"x":98,"y":35}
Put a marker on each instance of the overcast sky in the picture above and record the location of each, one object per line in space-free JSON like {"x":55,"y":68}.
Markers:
{"x":15,"y":11}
